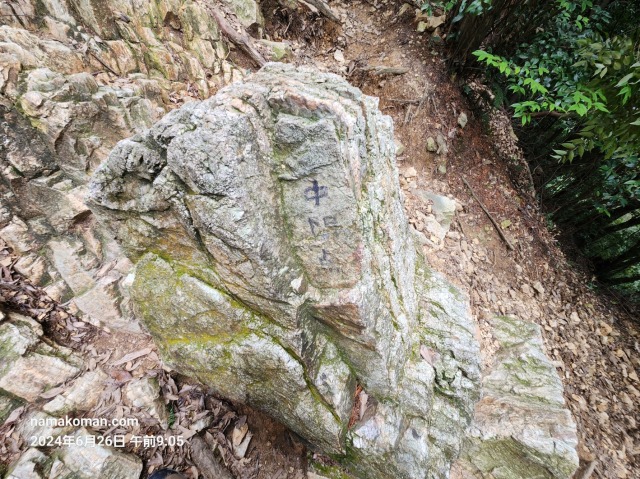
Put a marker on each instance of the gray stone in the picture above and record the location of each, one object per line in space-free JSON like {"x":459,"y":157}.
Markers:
{"x":274,"y":264}
{"x":32,"y":267}
{"x":522,"y":428}
{"x":28,"y":465}
{"x":276,"y":51}
{"x":16,"y":234}
{"x":247,"y":11}
{"x":144,"y":393}
{"x":33,"y":52}
{"x":29,"y":367}
{"x":443,"y":211}
{"x":442,"y":144}
{"x":82,"y":395}
{"x":73,"y":262}
{"x":38,"y":424}
{"x":99,"y":305}
{"x":98,"y":462}
{"x":462,"y":120}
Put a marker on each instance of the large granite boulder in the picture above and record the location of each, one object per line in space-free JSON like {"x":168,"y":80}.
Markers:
{"x":274,"y":264}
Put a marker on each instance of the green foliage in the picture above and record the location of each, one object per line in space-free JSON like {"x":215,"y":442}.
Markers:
{"x":528,"y":81}
{"x":593,"y":82}
{"x":473,"y":7}
{"x":430,"y":6}
{"x":545,"y":73}
{"x":615,"y":63}
{"x":573,"y":82}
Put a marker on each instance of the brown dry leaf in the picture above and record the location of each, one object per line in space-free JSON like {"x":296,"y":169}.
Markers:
{"x":239,"y":433}
{"x":120,"y":375}
{"x":52,"y":392}
{"x":131,"y":356}
{"x":15,"y":415}
{"x":186,"y":433}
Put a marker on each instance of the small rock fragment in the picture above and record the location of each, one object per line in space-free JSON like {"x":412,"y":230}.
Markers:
{"x":442,"y":144}
{"x":462,"y":120}
{"x":410,"y":172}
{"x":278,"y":51}
{"x":538,"y":287}
{"x":239,"y":433}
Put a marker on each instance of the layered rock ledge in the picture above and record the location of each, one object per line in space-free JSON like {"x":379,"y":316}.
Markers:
{"x":274,"y":264}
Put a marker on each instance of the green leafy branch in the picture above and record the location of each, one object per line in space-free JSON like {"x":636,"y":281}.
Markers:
{"x":527,"y":81}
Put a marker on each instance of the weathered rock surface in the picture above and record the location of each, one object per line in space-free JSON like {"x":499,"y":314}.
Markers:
{"x":274,"y":263}
{"x":167,"y":39}
{"x":96,"y":462}
{"x":28,"y":366}
{"x":75,"y":78}
{"x":82,"y":395}
{"x":76,"y":462}
{"x":145,"y":393}
{"x":522,"y":427}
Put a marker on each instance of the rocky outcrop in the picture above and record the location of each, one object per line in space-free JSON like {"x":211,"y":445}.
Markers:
{"x":273,"y":258}
{"x":522,"y":427}
{"x":28,"y":365}
{"x":32,"y":371}
{"x":64,"y":108}
{"x":274,"y":264}
{"x":77,"y":462}
{"x":174,"y":40}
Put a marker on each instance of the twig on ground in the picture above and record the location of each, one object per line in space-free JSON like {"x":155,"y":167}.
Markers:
{"x":241,"y":40}
{"x":464,"y":232}
{"x":435,"y":108}
{"x":103,"y":63}
{"x":380,"y":70}
{"x":588,"y":471}
{"x":324,"y":9}
{"x":202,"y":456}
{"x":422,"y":100}
{"x":407,"y":115}
{"x":493,"y":221}
{"x":402,"y":100}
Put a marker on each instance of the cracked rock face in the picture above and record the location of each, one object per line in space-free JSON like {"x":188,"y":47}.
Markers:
{"x":28,"y":365}
{"x":275,"y":265}
{"x":522,"y":427}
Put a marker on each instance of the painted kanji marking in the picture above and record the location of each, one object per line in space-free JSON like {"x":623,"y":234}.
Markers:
{"x":315,"y":225}
{"x":330,"y":221}
{"x":315,"y":192}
